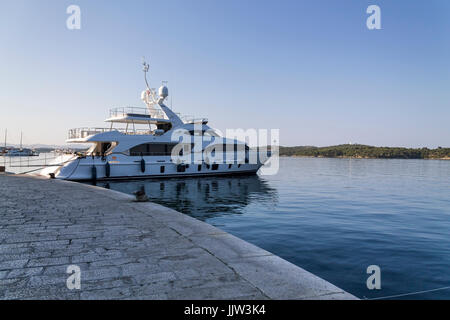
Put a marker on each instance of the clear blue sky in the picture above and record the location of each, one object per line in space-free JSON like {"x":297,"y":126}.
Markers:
{"x":310,"y":68}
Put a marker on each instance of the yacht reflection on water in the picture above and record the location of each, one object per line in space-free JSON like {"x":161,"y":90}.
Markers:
{"x":204,"y":197}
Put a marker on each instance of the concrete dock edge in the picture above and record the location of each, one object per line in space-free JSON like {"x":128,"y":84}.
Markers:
{"x":130,"y":250}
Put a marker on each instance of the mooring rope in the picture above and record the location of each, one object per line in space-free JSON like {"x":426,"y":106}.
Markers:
{"x":407,"y":294}
{"x":31,"y":170}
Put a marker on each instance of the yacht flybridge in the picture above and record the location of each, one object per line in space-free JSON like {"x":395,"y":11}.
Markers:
{"x":152,"y":142}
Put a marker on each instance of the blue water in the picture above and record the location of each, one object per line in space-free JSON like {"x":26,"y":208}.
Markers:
{"x":333,"y":217}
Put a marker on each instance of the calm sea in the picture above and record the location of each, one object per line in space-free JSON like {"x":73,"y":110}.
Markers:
{"x":333,"y":217}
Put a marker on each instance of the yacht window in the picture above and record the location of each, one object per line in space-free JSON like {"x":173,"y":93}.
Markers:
{"x":164,"y":126}
{"x":215,"y":166}
{"x":113,"y":145}
{"x":105,"y":147}
{"x":161,"y":169}
{"x":152,"y":149}
{"x":199,"y":167}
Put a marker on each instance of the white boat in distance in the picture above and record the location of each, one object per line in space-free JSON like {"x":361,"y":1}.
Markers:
{"x":21,"y":152}
{"x":18,"y":152}
{"x":165,"y":145}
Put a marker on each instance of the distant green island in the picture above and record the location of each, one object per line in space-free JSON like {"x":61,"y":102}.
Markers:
{"x":365,"y":152}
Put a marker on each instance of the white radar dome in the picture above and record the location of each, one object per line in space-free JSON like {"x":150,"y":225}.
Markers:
{"x":163,"y":92}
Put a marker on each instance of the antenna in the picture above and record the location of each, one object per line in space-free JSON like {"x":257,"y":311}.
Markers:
{"x":4,"y":151}
{"x":145,"y":69}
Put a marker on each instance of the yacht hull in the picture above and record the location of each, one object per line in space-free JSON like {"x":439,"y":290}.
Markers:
{"x":88,"y":169}
{"x":155,"y":176}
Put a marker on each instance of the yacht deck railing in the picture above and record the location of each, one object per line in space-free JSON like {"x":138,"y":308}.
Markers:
{"x":146,"y":113}
{"x":81,"y":133}
{"x":136,"y":112}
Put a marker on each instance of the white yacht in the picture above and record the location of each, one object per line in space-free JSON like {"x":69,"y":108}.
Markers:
{"x":153,"y":142}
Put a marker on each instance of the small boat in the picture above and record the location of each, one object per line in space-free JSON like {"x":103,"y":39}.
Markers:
{"x":21,"y":152}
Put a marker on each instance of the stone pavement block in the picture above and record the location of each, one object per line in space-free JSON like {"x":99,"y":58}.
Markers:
{"x":156,"y":296}
{"x":100,"y":273}
{"x":25,"y":272}
{"x":89,"y":285}
{"x":112,"y":262}
{"x":112,"y":293}
{"x":15,"y":248}
{"x":93,"y":256}
{"x":48,"y":261}
{"x":13,"y":264}
{"x":228,"y":247}
{"x":140,"y":268}
{"x":14,"y":284}
{"x":29,"y":254}
{"x":47,"y":293}
{"x":54,"y":244}
{"x":279,"y":279}
{"x":143,"y":278}
{"x":56,"y":280}
{"x":61,"y":270}
{"x":226,"y":291}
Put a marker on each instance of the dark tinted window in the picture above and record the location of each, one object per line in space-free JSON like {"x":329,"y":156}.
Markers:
{"x":152,"y":149}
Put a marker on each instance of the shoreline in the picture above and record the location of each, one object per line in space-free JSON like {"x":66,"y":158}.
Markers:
{"x":349,"y":157}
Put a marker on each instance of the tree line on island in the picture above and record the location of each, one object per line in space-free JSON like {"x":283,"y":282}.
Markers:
{"x":365,"y":151}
